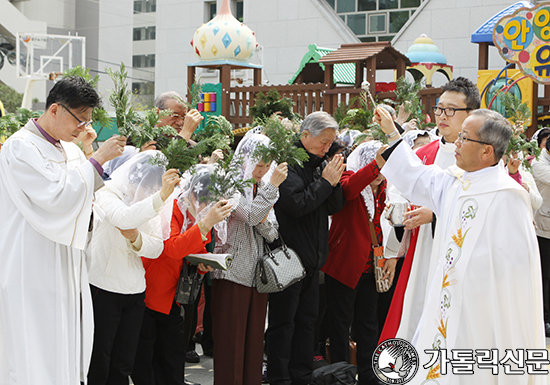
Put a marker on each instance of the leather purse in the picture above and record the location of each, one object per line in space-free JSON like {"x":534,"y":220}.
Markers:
{"x":278,"y":269}
{"x":382,"y":285}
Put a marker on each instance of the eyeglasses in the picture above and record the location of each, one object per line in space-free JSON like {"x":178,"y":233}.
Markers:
{"x":449,"y":111}
{"x":81,"y":123}
{"x":462,"y":138}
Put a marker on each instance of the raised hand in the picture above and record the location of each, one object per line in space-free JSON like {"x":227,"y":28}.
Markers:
{"x":279,"y":174}
{"x":333,"y":172}
{"x":190,"y":124}
{"x":110,"y":149}
{"x":217,"y":213}
{"x":169,"y":179}
{"x":384,"y":119}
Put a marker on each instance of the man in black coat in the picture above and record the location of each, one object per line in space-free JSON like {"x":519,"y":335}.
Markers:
{"x":307,"y":197}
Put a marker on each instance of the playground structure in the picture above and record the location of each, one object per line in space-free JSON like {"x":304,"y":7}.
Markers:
{"x":511,"y":34}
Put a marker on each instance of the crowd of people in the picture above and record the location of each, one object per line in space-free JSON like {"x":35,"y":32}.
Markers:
{"x":94,"y":243}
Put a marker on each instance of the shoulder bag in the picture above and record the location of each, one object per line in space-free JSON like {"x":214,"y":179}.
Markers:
{"x":382,"y":285}
{"x":278,"y":269}
{"x":189,"y":284}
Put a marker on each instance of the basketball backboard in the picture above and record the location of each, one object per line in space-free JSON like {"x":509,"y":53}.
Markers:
{"x":41,"y":54}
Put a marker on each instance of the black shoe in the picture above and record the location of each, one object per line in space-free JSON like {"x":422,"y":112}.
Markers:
{"x":547,"y":329}
{"x":192,"y":357}
{"x":186,"y":382}
{"x":197,"y":338}
{"x":208,"y":352}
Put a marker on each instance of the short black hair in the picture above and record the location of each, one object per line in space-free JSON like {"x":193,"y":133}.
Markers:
{"x":73,"y":92}
{"x":544,"y":133}
{"x":464,"y":86}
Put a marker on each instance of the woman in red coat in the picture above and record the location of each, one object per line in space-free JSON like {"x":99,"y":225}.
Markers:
{"x":351,"y":290}
{"x":160,"y":357}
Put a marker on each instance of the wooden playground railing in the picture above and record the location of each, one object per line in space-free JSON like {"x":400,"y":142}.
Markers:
{"x":308,"y":98}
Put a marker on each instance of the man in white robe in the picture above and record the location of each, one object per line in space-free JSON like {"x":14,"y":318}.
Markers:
{"x":486,"y":289}
{"x":46,"y":190}
{"x":459,"y":97}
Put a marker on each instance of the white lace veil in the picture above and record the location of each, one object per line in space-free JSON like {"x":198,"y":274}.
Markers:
{"x":410,"y":136}
{"x":359,"y":158}
{"x":245,"y":150}
{"x":137,"y":179}
{"x":194,"y":187}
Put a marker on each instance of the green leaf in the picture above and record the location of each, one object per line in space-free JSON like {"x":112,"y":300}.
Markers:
{"x":281,"y":148}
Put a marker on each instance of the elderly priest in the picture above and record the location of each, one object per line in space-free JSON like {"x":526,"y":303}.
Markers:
{"x":486,"y":291}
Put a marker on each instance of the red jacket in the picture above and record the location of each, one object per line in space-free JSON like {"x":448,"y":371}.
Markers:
{"x":162,"y":274}
{"x":350,"y":246}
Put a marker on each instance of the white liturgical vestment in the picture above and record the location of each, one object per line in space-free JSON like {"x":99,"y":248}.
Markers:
{"x":422,"y":267}
{"x":46,"y":323}
{"x":486,"y":291}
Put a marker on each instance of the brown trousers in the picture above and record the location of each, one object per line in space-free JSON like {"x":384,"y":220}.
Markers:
{"x":238,"y":323}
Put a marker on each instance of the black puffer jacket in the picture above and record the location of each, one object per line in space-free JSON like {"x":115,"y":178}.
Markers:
{"x":306,"y":200}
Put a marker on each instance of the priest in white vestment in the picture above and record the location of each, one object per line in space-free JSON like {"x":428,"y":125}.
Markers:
{"x":46,"y":190}
{"x":486,"y":289}
{"x":460,"y":96}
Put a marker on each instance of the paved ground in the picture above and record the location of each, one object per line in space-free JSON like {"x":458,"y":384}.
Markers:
{"x":203,"y":372}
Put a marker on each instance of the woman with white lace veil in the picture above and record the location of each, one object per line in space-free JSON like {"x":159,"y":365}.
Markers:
{"x":238,"y":310}
{"x":186,"y":229}
{"x":349,"y":271}
{"x":127,"y":227}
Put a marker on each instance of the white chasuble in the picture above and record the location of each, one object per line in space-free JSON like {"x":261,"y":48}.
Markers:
{"x":46,"y":323}
{"x":422,"y":267}
{"x":486,"y":291}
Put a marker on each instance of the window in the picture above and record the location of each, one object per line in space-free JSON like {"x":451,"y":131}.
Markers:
{"x":141,"y":61}
{"x":346,"y":6}
{"x":137,"y":34}
{"x":239,"y":12}
{"x":366,"y":5}
{"x":369,"y":39}
{"x":398,"y":20}
{"x":145,"y":6}
{"x":385,"y":38}
{"x":388,"y":4}
{"x":145,"y":33}
{"x":357,"y":23}
{"x":377,"y":23}
{"x":331,"y":3}
{"x":210,"y":11}
{"x":410,"y":3}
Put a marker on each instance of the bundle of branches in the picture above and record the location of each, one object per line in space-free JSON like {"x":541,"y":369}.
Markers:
{"x":267,"y":104}
{"x":98,"y":114}
{"x":218,"y":132}
{"x":518,"y":113}
{"x":407,"y":94}
{"x":150,"y":132}
{"x":281,"y":149}
{"x":127,"y":120}
{"x":11,"y":123}
{"x":178,"y":155}
{"x":360,"y":119}
{"x":225,"y":181}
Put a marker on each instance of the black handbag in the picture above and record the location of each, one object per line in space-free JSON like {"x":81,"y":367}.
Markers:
{"x":278,"y":269}
{"x":189,"y":284}
{"x":339,"y":373}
